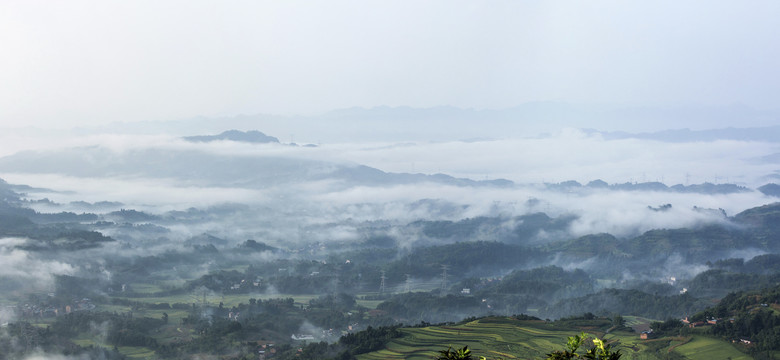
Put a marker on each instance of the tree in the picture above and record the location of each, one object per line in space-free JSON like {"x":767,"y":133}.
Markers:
{"x":459,"y":354}
{"x":600,"y":351}
{"x":618,"y":321}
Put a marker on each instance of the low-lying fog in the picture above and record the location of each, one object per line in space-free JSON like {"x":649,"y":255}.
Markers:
{"x":288,"y":187}
{"x":120,"y":174}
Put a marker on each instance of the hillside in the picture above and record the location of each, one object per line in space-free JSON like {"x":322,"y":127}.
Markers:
{"x":514,"y":338}
{"x":748,"y":317}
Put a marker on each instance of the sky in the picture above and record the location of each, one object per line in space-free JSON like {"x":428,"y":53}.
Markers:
{"x":87,"y":63}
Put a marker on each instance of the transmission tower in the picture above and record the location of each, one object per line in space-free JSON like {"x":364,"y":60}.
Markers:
{"x":30,"y":336}
{"x":444,"y":269}
{"x":382,"y":283}
{"x":201,"y":296}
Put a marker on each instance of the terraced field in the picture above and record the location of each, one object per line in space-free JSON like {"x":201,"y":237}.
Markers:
{"x":701,"y":347}
{"x":508,"y":338}
{"x":492,"y":337}
{"x":137,"y":352}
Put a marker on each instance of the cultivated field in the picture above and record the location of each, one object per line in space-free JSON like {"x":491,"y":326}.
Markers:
{"x":507,"y":338}
{"x":701,"y":347}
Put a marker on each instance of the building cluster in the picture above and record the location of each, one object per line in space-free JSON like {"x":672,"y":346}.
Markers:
{"x":45,"y":310}
{"x":695,"y":324}
{"x":247,"y":283}
{"x":265,"y":350}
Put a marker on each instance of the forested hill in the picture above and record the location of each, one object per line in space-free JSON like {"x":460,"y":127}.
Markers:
{"x":748,"y":317}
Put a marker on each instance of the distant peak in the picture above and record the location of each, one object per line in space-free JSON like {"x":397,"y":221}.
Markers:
{"x":252,"y":136}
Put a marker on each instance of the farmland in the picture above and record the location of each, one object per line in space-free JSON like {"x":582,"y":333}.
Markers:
{"x":508,"y":338}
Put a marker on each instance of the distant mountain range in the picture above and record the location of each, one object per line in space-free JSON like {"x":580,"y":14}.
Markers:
{"x":201,"y":168}
{"x":447,"y":123}
{"x":204,"y":168}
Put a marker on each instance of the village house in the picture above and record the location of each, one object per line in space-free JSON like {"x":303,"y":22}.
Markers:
{"x":697,"y":324}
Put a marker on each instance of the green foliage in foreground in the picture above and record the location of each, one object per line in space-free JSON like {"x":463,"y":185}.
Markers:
{"x":599,"y":351}
{"x":459,"y":354}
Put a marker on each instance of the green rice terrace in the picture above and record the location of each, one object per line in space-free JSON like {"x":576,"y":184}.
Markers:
{"x":509,"y":338}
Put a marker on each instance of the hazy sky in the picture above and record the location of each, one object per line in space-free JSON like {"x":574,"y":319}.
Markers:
{"x":90,"y":62}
